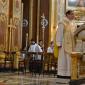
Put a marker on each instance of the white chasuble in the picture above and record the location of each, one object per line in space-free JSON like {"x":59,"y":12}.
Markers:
{"x":65,"y":39}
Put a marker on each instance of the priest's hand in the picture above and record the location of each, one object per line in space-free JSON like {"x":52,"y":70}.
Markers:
{"x":59,"y":46}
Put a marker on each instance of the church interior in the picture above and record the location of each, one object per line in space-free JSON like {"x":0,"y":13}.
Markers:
{"x":26,"y":22}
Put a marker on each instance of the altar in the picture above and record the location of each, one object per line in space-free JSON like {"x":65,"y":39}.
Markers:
{"x":78,"y":58}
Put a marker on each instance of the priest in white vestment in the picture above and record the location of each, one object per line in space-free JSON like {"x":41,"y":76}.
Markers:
{"x":66,"y":43}
{"x":50,"y":49}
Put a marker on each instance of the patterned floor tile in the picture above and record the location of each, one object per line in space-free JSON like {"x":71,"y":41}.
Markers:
{"x":28,"y":79}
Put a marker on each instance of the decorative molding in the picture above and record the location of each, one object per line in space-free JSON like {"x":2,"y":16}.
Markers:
{"x":4,"y":16}
{"x":17,"y":21}
{"x":60,"y":9}
{"x":4,"y":6}
{"x":17,"y":8}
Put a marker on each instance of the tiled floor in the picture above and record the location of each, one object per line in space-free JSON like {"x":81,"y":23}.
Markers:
{"x":28,"y":79}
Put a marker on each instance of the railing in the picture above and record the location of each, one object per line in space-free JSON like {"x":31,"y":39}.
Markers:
{"x":47,"y":63}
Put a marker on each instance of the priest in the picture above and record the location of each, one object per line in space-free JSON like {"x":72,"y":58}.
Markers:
{"x":66,"y":43}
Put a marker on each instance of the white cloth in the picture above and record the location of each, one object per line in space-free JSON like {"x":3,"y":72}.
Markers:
{"x":64,"y":58}
{"x":35,"y":48}
{"x":32,"y":48}
{"x":49,"y":50}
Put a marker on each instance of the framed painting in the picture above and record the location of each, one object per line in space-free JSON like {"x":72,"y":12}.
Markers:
{"x":75,"y":4}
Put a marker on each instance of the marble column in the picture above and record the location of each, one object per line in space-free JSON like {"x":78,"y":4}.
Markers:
{"x":30,"y":18}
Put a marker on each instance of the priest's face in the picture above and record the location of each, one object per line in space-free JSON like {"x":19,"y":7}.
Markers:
{"x":71,"y":16}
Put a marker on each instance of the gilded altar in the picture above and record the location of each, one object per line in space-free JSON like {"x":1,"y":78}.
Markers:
{"x":11,"y":12}
{"x":78,"y":57}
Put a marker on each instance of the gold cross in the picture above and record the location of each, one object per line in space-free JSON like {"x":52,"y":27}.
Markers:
{"x":11,"y":24}
{"x":10,"y":34}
